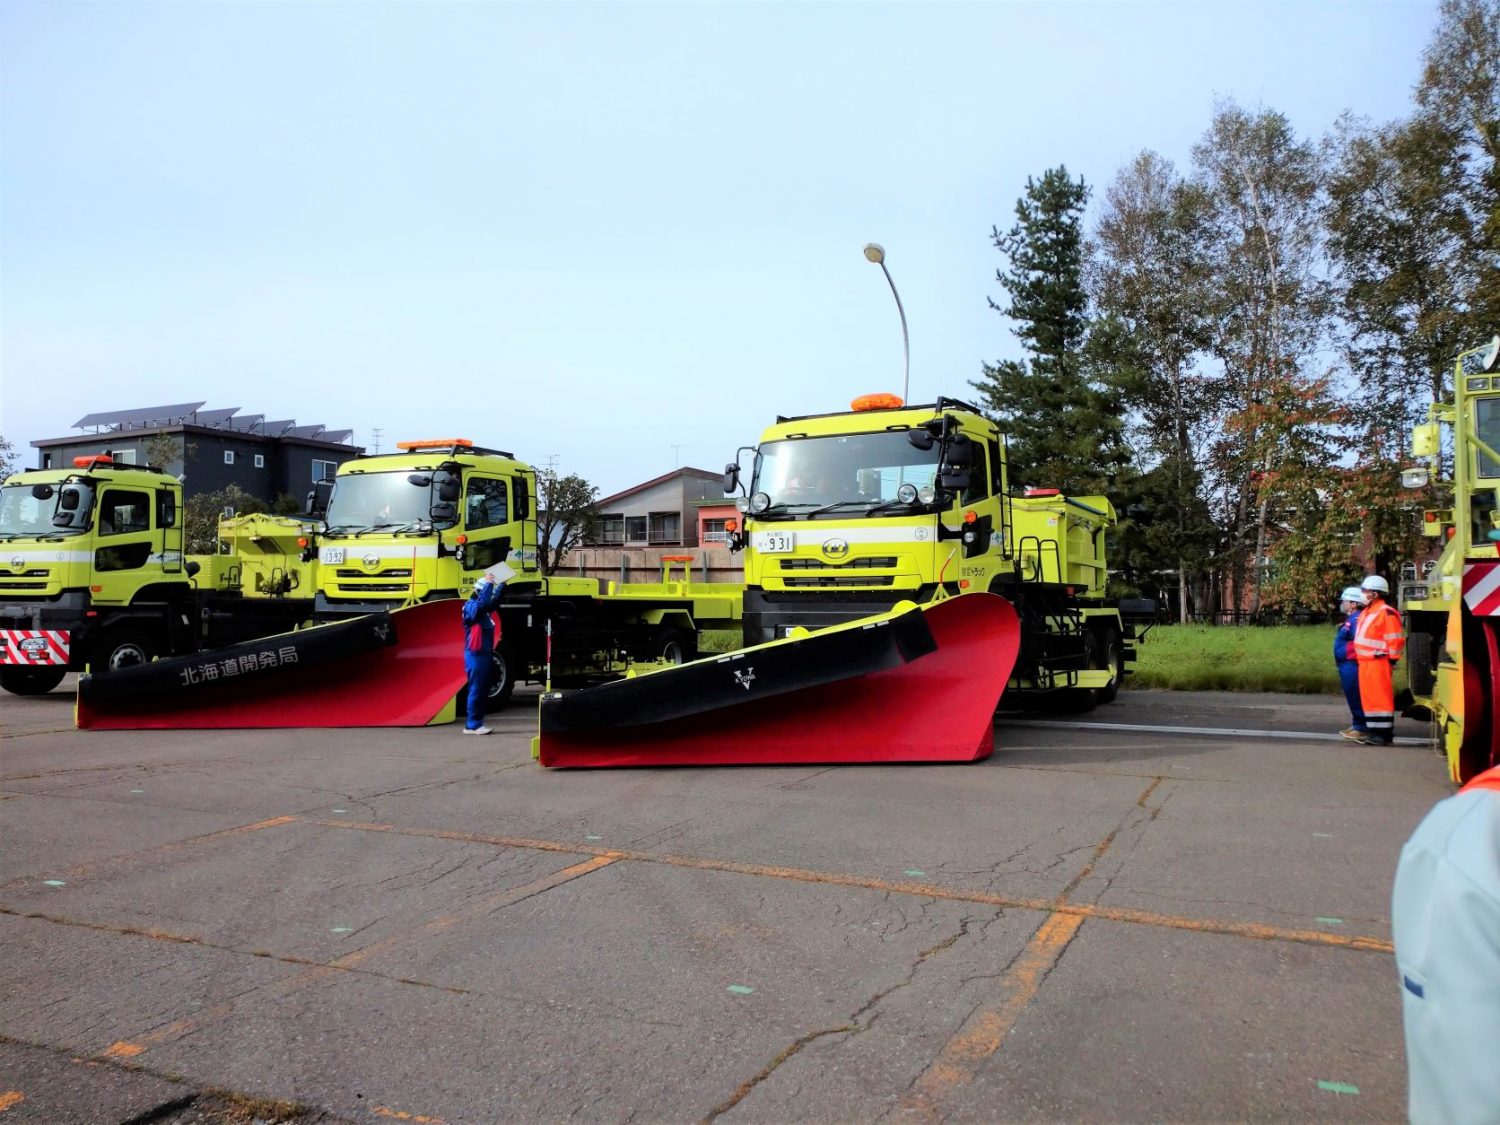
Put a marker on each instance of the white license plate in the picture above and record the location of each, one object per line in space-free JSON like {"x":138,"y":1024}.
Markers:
{"x":332,"y":555}
{"x":777,"y":543}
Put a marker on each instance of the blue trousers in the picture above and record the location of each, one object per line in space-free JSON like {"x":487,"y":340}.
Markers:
{"x":477,"y":665}
{"x":1349,"y":677}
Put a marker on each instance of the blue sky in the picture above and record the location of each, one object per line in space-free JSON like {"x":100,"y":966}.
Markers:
{"x":589,"y":231}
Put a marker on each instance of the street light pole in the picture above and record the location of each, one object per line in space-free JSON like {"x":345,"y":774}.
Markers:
{"x":876,"y":253}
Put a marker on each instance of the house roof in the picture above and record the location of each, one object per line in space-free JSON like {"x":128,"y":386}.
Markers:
{"x":701,"y":474}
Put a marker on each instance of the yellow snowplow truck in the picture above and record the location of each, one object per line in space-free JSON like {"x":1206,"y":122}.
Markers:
{"x":424,"y":524}
{"x":92,"y":572}
{"x":1453,"y":613}
{"x":846,"y":514}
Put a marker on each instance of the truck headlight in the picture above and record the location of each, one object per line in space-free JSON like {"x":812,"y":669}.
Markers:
{"x":907,"y":494}
{"x":759,"y":503}
{"x":927,"y":495}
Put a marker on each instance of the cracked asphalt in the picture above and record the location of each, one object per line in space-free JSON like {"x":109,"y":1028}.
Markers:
{"x":378,"y":926}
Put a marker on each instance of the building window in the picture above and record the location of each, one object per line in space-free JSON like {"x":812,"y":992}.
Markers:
{"x":611,"y":530}
{"x":715,"y":531}
{"x":229,"y":457}
{"x":666,"y":527}
{"x":46,"y":460}
{"x":260,"y":460}
{"x":635,"y":529}
{"x":324,"y":470}
{"x":484,"y":503}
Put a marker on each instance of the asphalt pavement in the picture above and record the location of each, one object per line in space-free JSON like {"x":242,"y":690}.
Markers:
{"x":409,"y":925}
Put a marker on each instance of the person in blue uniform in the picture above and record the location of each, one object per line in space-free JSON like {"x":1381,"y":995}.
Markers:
{"x":481,"y":631}
{"x":1351,"y":601}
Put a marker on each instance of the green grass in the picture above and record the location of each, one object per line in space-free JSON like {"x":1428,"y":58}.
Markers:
{"x":1291,"y":658}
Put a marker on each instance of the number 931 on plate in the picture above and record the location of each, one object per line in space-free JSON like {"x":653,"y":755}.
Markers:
{"x":775,"y":542}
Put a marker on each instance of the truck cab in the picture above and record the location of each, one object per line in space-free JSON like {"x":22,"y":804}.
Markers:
{"x":91,"y":559}
{"x":423,"y":524}
{"x":848,"y":513}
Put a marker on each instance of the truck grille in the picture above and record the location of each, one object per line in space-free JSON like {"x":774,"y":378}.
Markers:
{"x":873,"y":562}
{"x":824,"y":580}
{"x":375,"y":588}
{"x":11,"y":584}
{"x":395,"y":572}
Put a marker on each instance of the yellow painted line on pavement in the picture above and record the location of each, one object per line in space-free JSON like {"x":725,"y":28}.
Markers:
{"x":10,"y":1098}
{"x":1258,"y":931}
{"x":116,"y":863}
{"x":402,"y":1115}
{"x":136,"y":1044}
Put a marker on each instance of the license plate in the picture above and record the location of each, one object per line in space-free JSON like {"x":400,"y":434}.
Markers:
{"x":776,"y":543}
{"x":331,"y":555}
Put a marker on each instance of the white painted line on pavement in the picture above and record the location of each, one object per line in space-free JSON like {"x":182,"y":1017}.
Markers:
{"x":1235,"y":732}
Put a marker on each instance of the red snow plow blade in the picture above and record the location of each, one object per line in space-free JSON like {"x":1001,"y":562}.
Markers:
{"x":400,"y":669}
{"x":919,"y":685}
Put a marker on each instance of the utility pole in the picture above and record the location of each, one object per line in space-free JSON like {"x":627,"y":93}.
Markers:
{"x":376,"y":434}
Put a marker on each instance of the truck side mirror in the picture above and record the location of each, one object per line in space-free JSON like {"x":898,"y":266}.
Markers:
{"x":421,"y":480}
{"x":955,"y":479}
{"x":920,"y":438}
{"x":731,"y":477}
{"x":443,"y":511}
{"x":317,"y":499}
{"x":41,"y":491}
{"x":523,"y":498}
{"x":192,"y":568}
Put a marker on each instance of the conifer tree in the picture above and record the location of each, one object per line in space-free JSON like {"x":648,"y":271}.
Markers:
{"x":1061,"y":418}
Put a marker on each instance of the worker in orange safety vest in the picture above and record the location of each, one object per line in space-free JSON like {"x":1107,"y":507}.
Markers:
{"x":1378,"y":644}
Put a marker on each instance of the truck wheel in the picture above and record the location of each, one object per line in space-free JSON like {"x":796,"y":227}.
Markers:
{"x":681,"y":647}
{"x":122,"y":648}
{"x":1421,"y":668}
{"x":501,"y":683}
{"x":31,"y":681}
{"x":1114,"y":660}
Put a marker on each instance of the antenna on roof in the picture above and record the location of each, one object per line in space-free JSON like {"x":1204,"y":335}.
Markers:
{"x":376,"y":433}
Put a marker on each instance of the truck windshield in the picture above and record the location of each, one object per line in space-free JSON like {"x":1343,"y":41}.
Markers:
{"x":23,"y":514}
{"x":849,"y":470}
{"x":367,"y":501}
{"x":1487,"y":429}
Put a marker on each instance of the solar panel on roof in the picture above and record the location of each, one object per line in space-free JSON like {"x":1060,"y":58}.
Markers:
{"x":338,"y":437}
{"x":247,"y":423}
{"x":305,"y":431}
{"x":214,"y":417}
{"x":138,"y":416}
{"x":278,"y":427}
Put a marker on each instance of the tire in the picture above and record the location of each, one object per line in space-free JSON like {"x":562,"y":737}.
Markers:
{"x":121,"y":648}
{"x":31,"y":681}
{"x":1114,"y":658}
{"x":1421,"y":666}
{"x":502,"y":683}
{"x":1077,"y":701}
{"x":680,"y":647}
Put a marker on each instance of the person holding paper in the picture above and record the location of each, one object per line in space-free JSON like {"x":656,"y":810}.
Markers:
{"x":481,"y":632}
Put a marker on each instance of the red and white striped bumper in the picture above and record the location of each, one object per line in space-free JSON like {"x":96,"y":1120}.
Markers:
{"x":1482,"y":588}
{"x":34,"y":646}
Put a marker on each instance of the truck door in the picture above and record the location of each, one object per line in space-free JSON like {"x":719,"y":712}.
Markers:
{"x":485,"y":514}
{"x":170,"y":529}
{"x":125,"y":544}
{"x":529,"y":558}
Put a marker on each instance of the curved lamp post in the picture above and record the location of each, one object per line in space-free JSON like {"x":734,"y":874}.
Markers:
{"x":876,"y":253}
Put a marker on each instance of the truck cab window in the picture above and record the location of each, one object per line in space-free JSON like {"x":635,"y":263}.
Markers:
{"x":124,"y":513}
{"x":484,"y":503}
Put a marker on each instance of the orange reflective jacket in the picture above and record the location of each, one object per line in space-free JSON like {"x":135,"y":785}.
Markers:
{"x":1378,"y":636}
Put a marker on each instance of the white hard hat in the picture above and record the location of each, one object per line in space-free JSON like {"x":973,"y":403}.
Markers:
{"x":1375,"y":582}
{"x":1352,"y":594}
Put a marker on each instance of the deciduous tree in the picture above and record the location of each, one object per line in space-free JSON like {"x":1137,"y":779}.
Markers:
{"x":565,"y":515}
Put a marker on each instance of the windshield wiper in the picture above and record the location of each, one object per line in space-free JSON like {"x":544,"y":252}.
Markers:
{"x":908,"y":504}
{"x":418,"y":526}
{"x":836,"y":505}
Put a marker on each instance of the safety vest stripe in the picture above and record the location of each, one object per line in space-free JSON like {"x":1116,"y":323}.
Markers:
{"x":1489,"y":779}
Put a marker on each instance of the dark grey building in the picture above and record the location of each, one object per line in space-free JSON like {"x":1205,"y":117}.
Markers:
{"x":214,"y":448}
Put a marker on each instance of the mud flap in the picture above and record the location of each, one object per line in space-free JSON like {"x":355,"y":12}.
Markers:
{"x":919,"y":685}
{"x":387,"y":669}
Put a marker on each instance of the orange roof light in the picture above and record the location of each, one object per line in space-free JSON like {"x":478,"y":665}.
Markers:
{"x":436,"y":443}
{"x":880,"y":400}
{"x":92,"y":459}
